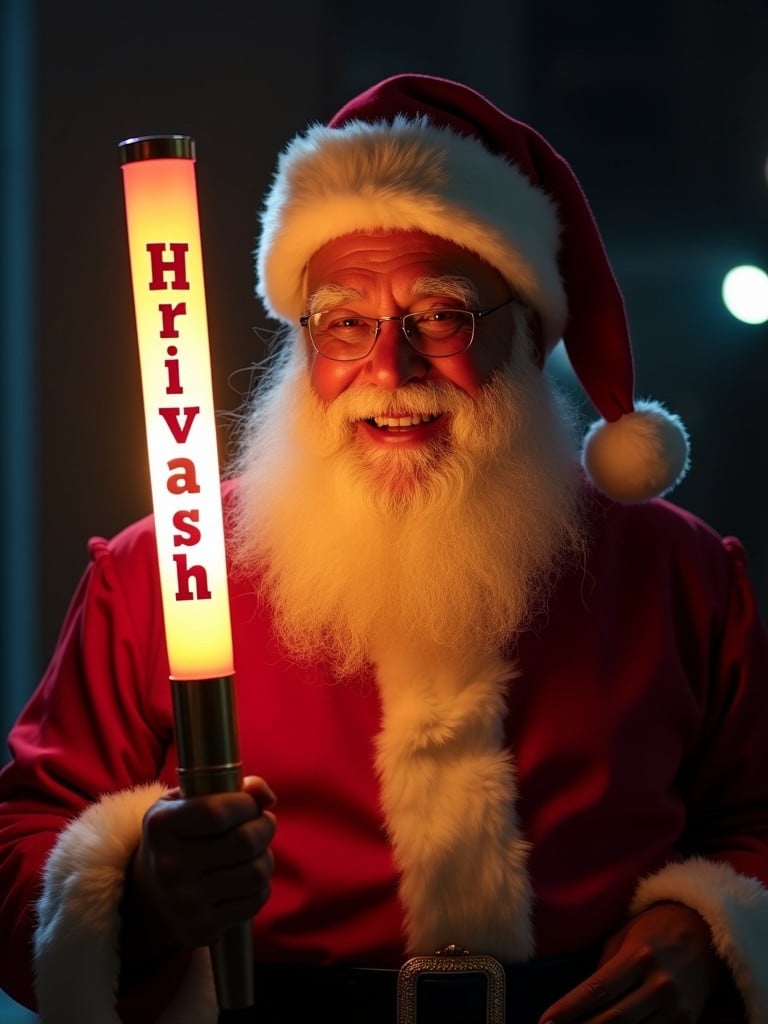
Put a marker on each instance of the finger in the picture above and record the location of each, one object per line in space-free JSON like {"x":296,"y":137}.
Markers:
{"x":206,"y":908}
{"x":253,"y":784}
{"x":220,"y":812}
{"x":259,"y":791}
{"x":242,"y":845}
{"x":170,"y":860}
{"x":201,"y":816}
{"x":246,"y":882}
{"x":199,"y":857}
{"x":599,"y":991}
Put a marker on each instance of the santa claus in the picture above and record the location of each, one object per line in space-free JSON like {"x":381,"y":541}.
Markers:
{"x":509,"y":699}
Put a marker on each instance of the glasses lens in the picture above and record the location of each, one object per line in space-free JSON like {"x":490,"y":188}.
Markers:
{"x":440,"y":332}
{"x":338,"y":334}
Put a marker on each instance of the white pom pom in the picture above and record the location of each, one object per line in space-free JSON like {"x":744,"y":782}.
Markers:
{"x":640,"y":456}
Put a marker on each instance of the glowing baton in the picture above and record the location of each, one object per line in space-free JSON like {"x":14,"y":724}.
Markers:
{"x":172,"y":327}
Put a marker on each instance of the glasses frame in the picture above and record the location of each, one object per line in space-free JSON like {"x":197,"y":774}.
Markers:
{"x":476,"y":314}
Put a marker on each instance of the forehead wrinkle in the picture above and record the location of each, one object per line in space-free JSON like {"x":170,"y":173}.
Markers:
{"x":454,"y":286}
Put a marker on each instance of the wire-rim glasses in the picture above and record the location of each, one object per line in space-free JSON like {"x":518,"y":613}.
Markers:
{"x":344,"y":336}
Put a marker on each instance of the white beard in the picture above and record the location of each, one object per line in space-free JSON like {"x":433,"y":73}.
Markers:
{"x":423,"y":564}
{"x":456,"y":545}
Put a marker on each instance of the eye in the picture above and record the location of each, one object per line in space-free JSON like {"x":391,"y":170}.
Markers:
{"x":440,"y":316}
{"x":346,"y":323}
{"x":440,"y":324}
{"x":344,"y":326}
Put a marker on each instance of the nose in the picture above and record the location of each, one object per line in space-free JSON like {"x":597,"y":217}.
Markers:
{"x":393,"y":361}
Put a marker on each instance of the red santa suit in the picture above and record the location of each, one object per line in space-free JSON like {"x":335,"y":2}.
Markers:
{"x":522,"y":803}
{"x":631,"y":723}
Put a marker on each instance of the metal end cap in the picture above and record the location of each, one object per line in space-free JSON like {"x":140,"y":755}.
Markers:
{"x":157,"y":147}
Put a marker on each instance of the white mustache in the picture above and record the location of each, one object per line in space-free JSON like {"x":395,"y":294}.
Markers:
{"x":418,"y":400}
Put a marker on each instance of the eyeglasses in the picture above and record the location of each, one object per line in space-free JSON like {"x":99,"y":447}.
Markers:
{"x":342,"y":335}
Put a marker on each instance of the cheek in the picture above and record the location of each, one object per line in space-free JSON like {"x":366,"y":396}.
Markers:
{"x":330,"y":378}
{"x":464,"y":371}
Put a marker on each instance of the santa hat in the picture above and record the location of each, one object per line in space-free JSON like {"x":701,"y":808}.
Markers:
{"x":425,"y":153}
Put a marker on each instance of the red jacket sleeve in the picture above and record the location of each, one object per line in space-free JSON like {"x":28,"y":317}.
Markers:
{"x":727,"y":796}
{"x":95,"y":724}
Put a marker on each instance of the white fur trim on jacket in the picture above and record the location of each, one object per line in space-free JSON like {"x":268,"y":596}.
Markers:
{"x":448,"y":794}
{"x":407,"y":175}
{"x":77,"y":941}
{"x":734,"y":906}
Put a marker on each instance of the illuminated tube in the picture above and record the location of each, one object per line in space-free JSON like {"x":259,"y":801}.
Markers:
{"x":172,"y":328}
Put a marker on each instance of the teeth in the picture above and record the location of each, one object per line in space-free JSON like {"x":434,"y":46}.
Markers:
{"x":403,"y":422}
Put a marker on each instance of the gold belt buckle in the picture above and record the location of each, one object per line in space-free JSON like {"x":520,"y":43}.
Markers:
{"x":451,"y":960}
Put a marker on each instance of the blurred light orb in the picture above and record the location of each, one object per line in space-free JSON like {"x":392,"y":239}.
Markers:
{"x":745,"y":294}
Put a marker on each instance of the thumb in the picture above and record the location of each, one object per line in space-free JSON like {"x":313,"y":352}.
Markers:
{"x":257,"y":788}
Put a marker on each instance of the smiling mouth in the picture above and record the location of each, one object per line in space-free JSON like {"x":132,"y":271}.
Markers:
{"x":405,"y":421}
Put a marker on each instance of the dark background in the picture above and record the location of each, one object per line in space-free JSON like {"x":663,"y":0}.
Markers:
{"x":659,"y":106}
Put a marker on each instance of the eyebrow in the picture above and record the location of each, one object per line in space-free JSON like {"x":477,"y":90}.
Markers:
{"x":449,"y":286}
{"x":330,"y":295}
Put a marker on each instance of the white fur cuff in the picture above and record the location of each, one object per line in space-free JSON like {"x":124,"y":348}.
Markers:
{"x":77,"y":954}
{"x":734,"y":906}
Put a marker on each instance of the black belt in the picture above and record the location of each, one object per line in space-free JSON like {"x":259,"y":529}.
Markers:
{"x":298,"y":993}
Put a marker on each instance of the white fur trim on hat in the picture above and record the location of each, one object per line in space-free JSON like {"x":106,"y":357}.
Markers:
{"x":639,"y":456}
{"x":407,"y":175}
{"x":736,"y":909}
{"x":77,"y":941}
